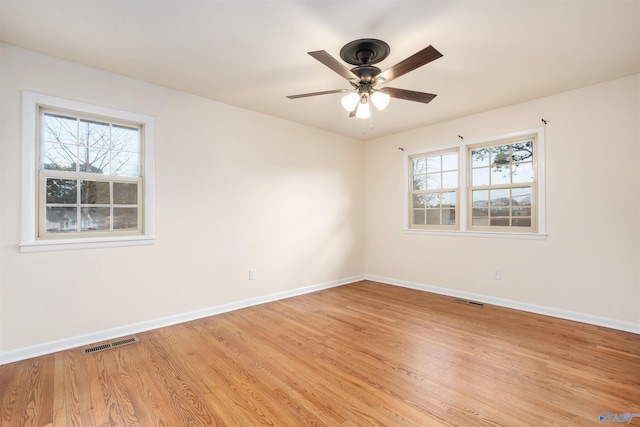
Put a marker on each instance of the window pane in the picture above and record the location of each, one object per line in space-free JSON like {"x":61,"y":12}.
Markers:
{"x":419,"y":166}
{"x":480,"y":176}
{"x":61,"y":220}
{"x":434,"y":181}
{"x":94,"y":161}
{"x":450,"y":162}
{"x":433,"y":164}
{"x":62,"y":191}
{"x":521,"y":196}
{"x":95,"y":192}
{"x":480,"y":157}
{"x":521,"y":222}
{"x":500,"y":155}
{"x":94,"y":134}
{"x":419,"y":216}
{"x":125,"y":193}
{"x":522,"y":151}
{"x":124,"y":164}
{"x":60,"y":129}
{"x":450,"y":179}
{"x":419,"y":200}
{"x":125,"y":218}
{"x":95,"y":219}
{"x":500,"y":175}
{"x":499,"y":212}
{"x":521,"y":212}
{"x":448,"y":217}
{"x":420,"y":182}
{"x":449,"y":199}
{"x":433,"y":216}
{"x":480,"y":216}
{"x":480,"y":197}
{"x":500,"y":197}
{"x":523,"y":172}
{"x":124,"y":138}
{"x":500,"y":221}
{"x":433,"y":200}
{"x":60,"y":157}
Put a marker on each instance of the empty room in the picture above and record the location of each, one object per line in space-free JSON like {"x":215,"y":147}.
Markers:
{"x":319,"y":213}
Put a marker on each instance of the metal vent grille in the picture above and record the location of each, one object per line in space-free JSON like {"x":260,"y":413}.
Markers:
{"x":468,"y":302}
{"x":110,"y":345}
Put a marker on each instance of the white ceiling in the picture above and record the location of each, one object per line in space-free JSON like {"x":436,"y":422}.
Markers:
{"x":252,"y":54}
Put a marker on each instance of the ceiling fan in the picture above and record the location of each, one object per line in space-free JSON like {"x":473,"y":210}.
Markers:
{"x":364,"y":77}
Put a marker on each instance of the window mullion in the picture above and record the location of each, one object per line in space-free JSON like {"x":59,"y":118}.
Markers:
{"x":78,"y":206}
{"x":463,"y":193}
{"x":111,"y":206}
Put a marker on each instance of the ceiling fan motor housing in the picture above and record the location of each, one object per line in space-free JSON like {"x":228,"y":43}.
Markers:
{"x":366,"y":73}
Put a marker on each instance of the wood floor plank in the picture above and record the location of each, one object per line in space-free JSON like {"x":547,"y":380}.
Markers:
{"x":26,"y":394}
{"x":363,"y":354}
{"x":71,"y":406}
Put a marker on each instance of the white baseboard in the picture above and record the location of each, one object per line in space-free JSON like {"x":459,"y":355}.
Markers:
{"x":547,"y":311}
{"x":95,"y":337}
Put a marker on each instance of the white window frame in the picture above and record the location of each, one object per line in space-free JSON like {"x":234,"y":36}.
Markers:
{"x":440,"y":189}
{"x":464,"y":228}
{"x":32,"y":103}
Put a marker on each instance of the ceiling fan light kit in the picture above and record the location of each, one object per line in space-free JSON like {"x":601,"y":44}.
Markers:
{"x":380,"y":99}
{"x":364,"y":108}
{"x":349,"y":102}
{"x":363,"y":53}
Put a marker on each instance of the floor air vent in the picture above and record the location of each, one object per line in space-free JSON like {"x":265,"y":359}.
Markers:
{"x":109,"y":345}
{"x":468,"y":302}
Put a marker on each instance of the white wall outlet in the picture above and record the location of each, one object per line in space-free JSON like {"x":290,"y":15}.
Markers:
{"x":252,"y":274}
{"x":497,"y":274}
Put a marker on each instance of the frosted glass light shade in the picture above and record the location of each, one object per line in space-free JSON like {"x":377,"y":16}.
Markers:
{"x":363,"y":111}
{"x":350,"y":101}
{"x":380,"y":100}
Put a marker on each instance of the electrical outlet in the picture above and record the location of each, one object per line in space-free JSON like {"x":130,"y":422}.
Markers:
{"x":252,"y":274}
{"x":497,"y":274}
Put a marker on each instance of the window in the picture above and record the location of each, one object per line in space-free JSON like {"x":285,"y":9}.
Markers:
{"x":434,"y":190}
{"x":503,"y":185}
{"x":87,"y":175}
{"x":90,"y":176}
{"x":488,"y":187}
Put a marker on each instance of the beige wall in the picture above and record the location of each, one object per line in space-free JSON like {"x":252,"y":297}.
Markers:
{"x":238,"y":190}
{"x":234,"y":190}
{"x":589,"y":262}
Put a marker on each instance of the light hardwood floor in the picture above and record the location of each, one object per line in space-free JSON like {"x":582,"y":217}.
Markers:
{"x":363,"y":354}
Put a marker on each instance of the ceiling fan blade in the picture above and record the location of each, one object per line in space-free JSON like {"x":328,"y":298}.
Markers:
{"x":416,"y":60}
{"x":326,"y":92}
{"x":333,"y":63}
{"x":409,"y":95}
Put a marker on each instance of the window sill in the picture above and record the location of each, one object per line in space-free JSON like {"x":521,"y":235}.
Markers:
{"x":71,"y":244}
{"x":482,"y":234}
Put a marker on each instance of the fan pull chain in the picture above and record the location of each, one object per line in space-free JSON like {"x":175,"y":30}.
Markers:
{"x":370,"y":123}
